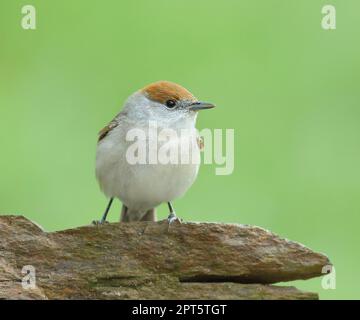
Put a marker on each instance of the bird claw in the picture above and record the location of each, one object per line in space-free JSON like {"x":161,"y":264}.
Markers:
{"x":99,"y":222}
{"x":172,"y":218}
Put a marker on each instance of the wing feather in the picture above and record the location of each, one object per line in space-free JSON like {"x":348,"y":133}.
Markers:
{"x":200,"y":142}
{"x":106,"y":130}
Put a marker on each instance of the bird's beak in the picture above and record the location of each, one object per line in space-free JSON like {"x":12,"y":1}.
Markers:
{"x":198,"y":105}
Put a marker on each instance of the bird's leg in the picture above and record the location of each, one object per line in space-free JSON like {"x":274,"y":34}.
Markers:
{"x":172,"y":216}
{"x":103,"y":219}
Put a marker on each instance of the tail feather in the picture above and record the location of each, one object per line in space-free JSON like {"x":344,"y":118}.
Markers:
{"x":150,"y":215}
{"x":128,"y":215}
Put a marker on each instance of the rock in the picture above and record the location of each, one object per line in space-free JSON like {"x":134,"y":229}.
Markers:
{"x":151,"y":260}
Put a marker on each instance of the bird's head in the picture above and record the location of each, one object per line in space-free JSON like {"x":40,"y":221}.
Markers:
{"x":166,"y":102}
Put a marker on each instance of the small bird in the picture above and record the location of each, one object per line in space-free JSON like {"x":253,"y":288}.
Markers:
{"x":141,"y":187}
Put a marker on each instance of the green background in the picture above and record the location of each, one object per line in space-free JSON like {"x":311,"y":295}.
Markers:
{"x":289,"y":89}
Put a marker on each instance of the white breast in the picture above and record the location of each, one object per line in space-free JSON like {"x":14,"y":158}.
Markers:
{"x":145,"y":186}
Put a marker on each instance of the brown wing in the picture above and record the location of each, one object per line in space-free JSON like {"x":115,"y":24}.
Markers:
{"x":105,"y":131}
{"x":200,"y":142}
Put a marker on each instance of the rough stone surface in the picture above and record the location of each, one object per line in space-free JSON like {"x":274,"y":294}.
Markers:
{"x":150,"y":260}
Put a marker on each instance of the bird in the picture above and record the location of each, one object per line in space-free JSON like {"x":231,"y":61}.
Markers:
{"x":141,"y":187}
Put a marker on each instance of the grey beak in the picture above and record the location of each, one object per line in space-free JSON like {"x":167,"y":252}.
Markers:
{"x":198,"y":105}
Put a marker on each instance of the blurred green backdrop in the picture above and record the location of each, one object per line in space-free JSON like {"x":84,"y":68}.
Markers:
{"x":289,"y":88}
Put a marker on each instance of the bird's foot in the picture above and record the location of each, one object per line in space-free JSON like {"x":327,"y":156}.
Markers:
{"x":173,"y":218}
{"x":99,"y":222}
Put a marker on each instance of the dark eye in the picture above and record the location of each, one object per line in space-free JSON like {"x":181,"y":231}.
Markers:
{"x":171,"y":103}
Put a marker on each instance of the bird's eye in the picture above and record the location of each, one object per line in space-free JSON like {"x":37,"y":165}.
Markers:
{"x":171,"y":103}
